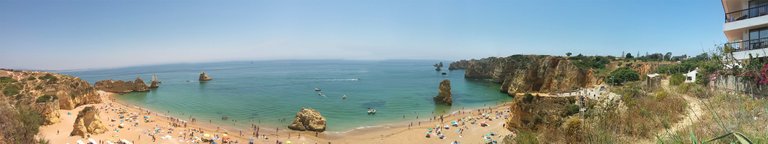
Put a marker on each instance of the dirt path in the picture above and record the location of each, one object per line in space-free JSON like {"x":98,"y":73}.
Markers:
{"x":692,"y":115}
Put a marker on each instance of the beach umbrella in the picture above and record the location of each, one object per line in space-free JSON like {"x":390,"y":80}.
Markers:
{"x":92,"y":141}
{"x":206,"y":135}
{"x":125,"y":141}
{"x":288,"y":142}
{"x":80,"y":142}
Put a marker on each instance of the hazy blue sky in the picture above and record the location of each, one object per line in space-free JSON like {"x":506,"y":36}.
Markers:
{"x":112,"y":33}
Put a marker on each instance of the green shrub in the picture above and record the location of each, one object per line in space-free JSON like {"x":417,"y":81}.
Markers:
{"x":6,"y":80}
{"x":11,"y":90}
{"x":50,"y":78}
{"x":571,"y":109}
{"x":676,"y":79}
{"x":20,"y":123}
{"x":526,"y":137}
{"x":622,"y":75}
{"x":661,"y":95}
{"x":591,"y":62}
{"x":528,"y":98}
{"x":45,"y":98}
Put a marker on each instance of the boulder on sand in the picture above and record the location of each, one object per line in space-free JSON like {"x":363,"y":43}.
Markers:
{"x":308,"y":119}
{"x":444,"y":93}
{"x":88,"y":122}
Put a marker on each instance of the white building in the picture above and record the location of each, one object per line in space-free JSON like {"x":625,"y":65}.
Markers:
{"x":690,"y":77}
{"x":746,"y":27}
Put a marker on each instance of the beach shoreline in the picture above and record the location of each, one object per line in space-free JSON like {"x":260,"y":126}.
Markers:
{"x":406,"y":131}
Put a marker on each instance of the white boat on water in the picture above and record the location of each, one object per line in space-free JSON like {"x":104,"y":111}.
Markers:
{"x":371,"y":111}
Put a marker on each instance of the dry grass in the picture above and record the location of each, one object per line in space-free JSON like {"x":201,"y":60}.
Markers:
{"x":643,"y":113}
{"x":725,"y":113}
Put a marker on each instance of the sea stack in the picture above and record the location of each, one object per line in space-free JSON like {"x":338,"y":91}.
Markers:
{"x":155,"y":83}
{"x":204,"y":77}
{"x":444,"y":93}
{"x":87,"y":122}
{"x":308,"y":119}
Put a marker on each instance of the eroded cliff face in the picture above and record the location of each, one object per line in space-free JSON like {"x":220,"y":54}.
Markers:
{"x":119,"y":86}
{"x":87,"y":122}
{"x":528,"y":73}
{"x":47,"y":92}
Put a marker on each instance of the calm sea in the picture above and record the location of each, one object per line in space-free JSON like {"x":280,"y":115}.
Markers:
{"x":264,"y":92}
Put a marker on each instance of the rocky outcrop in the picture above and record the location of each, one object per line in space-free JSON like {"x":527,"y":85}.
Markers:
{"x":444,"y":93}
{"x":47,"y":92}
{"x":531,"y":113}
{"x":204,"y":77}
{"x":308,"y":119}
{"x":87,"y":122}
{"x":461,"y":64}
{"x":119,"y":86}
{"x":154,"y":84}
{"x":528,"y":73}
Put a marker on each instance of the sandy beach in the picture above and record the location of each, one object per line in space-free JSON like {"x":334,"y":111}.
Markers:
{"x":145,"y":126}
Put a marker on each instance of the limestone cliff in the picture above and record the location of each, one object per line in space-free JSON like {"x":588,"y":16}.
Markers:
{"x":119,"y":86}
{"x":308,"y":119}
{"x":444,"y":93}
{"x":528,"y":73}
{"x":46,"y":92}
{"x":87,"y":122}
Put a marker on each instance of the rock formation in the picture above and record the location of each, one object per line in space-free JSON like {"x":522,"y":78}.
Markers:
{"x":528,"y":73}
{"x":46,"y":92}
{"x":154,"y":83}
{"x":308,"y":119}
{"x":444,"y":93}
{"x":533,"y":113}
{"x":119,"y":86}
{"x":204,"y":77}
{"x":88,"y":122}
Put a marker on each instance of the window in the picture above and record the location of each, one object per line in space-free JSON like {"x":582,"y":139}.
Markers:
{"x":757,"y":8}
{"x":758,"y":38}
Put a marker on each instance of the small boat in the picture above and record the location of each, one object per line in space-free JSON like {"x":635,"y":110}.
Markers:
{"x":371,"y":111}
{"x":318,"y":89}
{"x":344,"y":97}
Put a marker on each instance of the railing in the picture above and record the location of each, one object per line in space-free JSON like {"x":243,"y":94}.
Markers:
{"x":748,"y":44}
{"x":751,"y":12}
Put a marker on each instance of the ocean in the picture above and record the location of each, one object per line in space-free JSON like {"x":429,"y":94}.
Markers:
{"x":269,"y":93}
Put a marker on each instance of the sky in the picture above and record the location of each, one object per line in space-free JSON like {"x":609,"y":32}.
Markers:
{"x":85,"y":34}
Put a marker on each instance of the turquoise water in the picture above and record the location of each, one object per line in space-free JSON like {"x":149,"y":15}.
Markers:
{"x":263,"y":92}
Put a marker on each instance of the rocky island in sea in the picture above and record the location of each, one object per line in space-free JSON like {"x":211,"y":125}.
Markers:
{"x":444,"y":93}
{"x":204,"y":77}
{"x":119,"y":86}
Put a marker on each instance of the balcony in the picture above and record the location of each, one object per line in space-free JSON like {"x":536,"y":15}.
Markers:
{"x":755,"y":11}
{"x":748,"y":44}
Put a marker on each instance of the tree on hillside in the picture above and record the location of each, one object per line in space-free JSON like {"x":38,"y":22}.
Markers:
{"x":568,"y":54}
{"x":629,"y":56}
{"x":668,"y":56}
